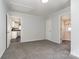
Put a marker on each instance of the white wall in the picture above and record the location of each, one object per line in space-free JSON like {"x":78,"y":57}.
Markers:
{"x":2,"y":28}
{"x":75,"y":27}
{"x":54,"y":33}
{"x":48,"y":29}
{"x":33,"y":27}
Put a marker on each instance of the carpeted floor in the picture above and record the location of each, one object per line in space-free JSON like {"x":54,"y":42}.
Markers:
{"x":43,"y":49}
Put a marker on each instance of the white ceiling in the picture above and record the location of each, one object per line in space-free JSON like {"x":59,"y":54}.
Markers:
{"x":36,"y":7}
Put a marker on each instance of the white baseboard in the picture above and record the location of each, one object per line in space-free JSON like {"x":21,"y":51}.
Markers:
{"x":54,"y":41}
{"x":32,"y":40}
{"x":2,"y":53}
{"x":75,"y":54}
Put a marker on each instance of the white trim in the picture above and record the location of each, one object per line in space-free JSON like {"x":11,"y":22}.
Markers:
{"x":1,"y":54}
{"x":60,"y":29}
{"x":32,"y":40}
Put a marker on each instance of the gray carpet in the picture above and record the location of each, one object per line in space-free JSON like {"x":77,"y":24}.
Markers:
{"x":37,"y":50}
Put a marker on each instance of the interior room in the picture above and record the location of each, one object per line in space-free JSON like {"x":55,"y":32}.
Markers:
{"x":15,"y":29}
{"x":65,"y":29}
{"x":39,"y":29}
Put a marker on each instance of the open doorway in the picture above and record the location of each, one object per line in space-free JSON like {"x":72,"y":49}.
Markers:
{"x":16,"y":29}
{"x":65,"y":32}
{"x":13,"y":29}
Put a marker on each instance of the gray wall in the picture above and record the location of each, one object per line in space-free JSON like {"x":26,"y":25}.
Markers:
{"x":33,"y":28}
{"x":2,"y":27}
{"x":75,"y":27}
{"x":53,"y":34}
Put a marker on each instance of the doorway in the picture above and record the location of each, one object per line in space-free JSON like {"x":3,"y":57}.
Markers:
{"x":65,"y":32}
{"x":13,"y":29}
{"x":16,"y":29}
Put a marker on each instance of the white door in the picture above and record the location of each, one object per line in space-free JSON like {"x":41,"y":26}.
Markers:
{"x":48,"y":29}
{"x":8,"y":30}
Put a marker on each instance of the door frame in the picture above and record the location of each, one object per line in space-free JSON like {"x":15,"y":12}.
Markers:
{"x":6,"y":31}
{"x":60,"y":23}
